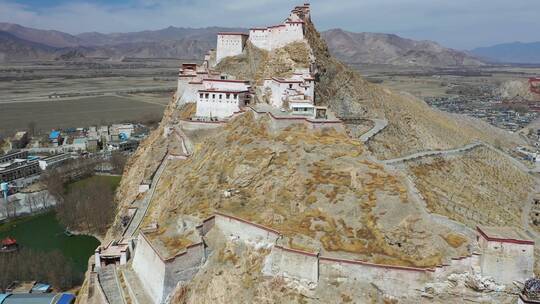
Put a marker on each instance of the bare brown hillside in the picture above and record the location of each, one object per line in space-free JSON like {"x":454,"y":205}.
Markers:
{"x":479,"y":187}
{"x":319,"y":188}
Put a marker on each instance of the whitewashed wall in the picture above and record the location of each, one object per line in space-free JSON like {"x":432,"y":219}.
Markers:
{"x":229,"y":45}
{"x":236,"y":228}
{"x":150,"y":269}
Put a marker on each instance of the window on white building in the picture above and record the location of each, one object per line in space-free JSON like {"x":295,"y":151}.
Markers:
{"x":206,"y":95}
{"x":200,"y":95}
{"x":228,"y":96}
{"x":214,"y":96}
{"x":290,"y":85}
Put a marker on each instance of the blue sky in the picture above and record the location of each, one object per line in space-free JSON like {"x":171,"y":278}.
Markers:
{"x":461,"y":24}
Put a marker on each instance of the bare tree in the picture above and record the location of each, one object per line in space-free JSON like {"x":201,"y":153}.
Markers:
{"x":90,"y":208}
{"x":32,"y":128}
{"x":118,"y":162}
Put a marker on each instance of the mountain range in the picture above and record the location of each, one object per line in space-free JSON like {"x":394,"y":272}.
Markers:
{"x":22,"y":43}
{"x":515,"y":52}
{"x":391,"y":49}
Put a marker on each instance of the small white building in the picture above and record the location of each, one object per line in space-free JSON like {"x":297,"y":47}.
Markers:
{"x":507,"y":254}
{"x":221,"y":98}
{"x":230,"y":44}
{"x":283,"y":91}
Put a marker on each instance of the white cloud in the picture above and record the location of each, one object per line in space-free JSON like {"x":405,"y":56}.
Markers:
{"x":458,"y":23}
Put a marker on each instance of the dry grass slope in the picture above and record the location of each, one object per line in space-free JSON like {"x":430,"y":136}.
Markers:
{"x":315,"y":186}
{"x":480,"y":187}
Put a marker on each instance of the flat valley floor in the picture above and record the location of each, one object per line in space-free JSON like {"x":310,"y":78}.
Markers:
{"x":58,"y":94}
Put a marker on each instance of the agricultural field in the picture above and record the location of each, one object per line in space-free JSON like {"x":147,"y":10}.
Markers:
{"x":425,"y":82}
{"x":59,"y":94}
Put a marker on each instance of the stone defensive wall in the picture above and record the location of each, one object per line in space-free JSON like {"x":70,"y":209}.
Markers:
{"x":160,"y":275}
{"x":279,"y":123}
{"x":307,"y":267}
{"x":192,"y":125}
{"x":246,"y":231}
{"x":292,"y":263}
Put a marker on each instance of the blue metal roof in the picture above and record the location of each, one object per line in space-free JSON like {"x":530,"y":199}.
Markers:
{"x":54,"y":134}
{"x":28,"y":298}
{"x":66,"y":298}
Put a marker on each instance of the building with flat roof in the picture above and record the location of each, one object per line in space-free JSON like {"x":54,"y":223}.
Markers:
{"x":221,"y":98}
{"x":12,"y":155}
{"x":267,"y":38}
{"x":18,"y":169}
{"x":507,"y":254}
{"x":230,"y":44}
{"x":37,"y":298}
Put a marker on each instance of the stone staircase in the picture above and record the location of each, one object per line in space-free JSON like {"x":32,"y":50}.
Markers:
{"x":135,"y":288}
{"x":110,"y":284}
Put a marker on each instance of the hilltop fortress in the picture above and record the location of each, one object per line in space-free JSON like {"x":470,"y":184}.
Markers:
{"x":218,"y":96}
{"x":251,"y":185}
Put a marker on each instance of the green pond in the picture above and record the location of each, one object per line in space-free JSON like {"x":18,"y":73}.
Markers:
{"x":44,"y":233}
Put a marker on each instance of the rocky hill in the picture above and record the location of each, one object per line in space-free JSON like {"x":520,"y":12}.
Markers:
{"x":376,"y":48}
{"x":13,"y":48}
{"x":44,"y":37}
{"x":324,"y":190}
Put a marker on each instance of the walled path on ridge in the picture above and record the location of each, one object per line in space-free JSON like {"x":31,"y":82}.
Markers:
{"x":144,"y":204}
{"x":432,"y":153}
{"x":108,"y":279}
{"x":380,"y":124}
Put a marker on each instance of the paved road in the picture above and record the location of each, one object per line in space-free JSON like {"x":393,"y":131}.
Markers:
{"x":111,"y":286}
{"x":380,"y":124}
{"x":144,"y":204}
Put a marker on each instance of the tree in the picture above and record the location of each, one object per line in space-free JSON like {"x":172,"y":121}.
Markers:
{"x":118,"y":162}
{"x":90,"y":207}
{"x":32,"y":128}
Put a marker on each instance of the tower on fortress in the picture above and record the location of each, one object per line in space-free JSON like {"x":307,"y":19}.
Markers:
{"x":267,"y":38}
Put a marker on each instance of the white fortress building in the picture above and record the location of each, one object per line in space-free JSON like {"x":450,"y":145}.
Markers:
{"x":221,"y":98}
{"x":281,"y":92}
{"x":218,"y":97}
{"x":266,"y":38}
{"x":230,"y":44}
